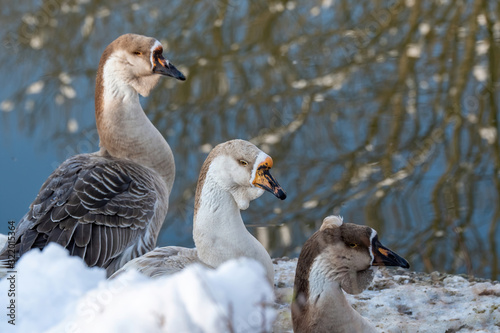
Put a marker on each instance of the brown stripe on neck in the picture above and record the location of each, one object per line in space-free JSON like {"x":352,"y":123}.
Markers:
{"x":310,"y":251}
{"x":124,"y":42}
{"x":99,"y":84}
{"x":201,"y":180}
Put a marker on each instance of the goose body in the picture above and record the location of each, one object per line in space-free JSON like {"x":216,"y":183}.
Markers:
{"x":234,"y":173}
{"x":337,"y":257}
{"x":107,"y":207}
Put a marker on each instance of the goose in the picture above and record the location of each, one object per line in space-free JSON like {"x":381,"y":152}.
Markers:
{"x":338,"y":256}
{"x":234,"y":173}
{"x":107,"y":207}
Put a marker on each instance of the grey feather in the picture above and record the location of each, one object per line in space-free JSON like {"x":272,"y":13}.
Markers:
{"x":100,"y":207}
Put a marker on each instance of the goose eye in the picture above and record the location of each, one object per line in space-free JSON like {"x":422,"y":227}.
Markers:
{"x":138,"y":53}
{"x":353,"y":245}
{"x":243,"y":162}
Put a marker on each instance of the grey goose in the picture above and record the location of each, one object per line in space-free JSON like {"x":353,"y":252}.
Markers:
{"x":107,"y":207}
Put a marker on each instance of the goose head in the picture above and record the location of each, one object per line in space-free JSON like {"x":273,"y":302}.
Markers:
{"x":347,"y":252}
{"x":343,"y":253}
{"x":243,"y":170}
{"x":136,"y":61}
{"x":338,"y":255}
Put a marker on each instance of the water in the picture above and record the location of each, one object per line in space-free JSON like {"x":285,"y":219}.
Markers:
{"x":384,"y":113}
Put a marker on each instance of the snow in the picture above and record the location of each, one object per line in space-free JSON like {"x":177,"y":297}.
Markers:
{"x":403,"y":301}
{"x":48,"y":284}
{"x":233,"y":298}
{"x":58,"y":293}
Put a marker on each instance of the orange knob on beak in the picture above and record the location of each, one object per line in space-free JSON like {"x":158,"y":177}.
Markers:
{"x":264,"y":180}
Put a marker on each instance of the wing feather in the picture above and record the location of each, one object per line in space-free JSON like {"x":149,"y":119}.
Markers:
{"x":103,"y":252}
{"x":80,"y":251}
{"x":162,"y":261}
{"x":96,"y":207}
{"x":71,"y":248}
{"x":94,"y":247}
{"x":44,"y":225}
{"x":63,"y":233}
{"x":55,"y":235}
{"x":58,"y":214}
{"x":29,"y":239}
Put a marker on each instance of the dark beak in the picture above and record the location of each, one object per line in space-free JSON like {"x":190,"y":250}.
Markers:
{"x":163,"y":67}
{"x":264,"y":180}
{"x":385,"y":257}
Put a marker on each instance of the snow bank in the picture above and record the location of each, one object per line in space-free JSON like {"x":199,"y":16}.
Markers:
{"x":47,"y":287}
{"x":58,"y":293}
{"x":446,"y":304}
{"x":233,"y":298}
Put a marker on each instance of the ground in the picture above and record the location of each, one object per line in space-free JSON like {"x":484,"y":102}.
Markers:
{"x":401,"y":300}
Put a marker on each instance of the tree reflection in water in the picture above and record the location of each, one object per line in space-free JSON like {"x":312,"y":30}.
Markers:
{"x":384,"y":113}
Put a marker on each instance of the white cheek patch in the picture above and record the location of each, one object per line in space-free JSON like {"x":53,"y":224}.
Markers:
{"x":115,"y":77}
{"x":317,"y":277}
{"x":260,"y":158}
{"x":155,"y":45}
{"x":372,"y":236}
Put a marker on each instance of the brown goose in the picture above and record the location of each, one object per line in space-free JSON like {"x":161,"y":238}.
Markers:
{"x":338,"y":256}
{"x":234,"y":173}
{"x":107,"y":207}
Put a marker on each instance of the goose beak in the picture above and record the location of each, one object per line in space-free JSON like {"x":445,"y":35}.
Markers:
{"x":264,"y":180}
{"x":382,"y":256}
{"x":163,"y":67}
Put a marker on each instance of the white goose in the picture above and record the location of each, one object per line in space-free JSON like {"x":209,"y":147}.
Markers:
{"x":234,"y":173}
{"x":107,"y":207}
{"x":338,"y":256}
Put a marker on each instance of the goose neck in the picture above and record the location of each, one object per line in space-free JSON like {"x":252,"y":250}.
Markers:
{"x":219,"y":232}
{"x":217,"y":210}
{"x":124,"y":129}
{"x":326,"y":306}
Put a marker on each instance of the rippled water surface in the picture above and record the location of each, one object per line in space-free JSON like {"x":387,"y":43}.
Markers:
{"x":383,"y":112}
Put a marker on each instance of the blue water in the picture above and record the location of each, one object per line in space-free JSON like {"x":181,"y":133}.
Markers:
{"x":385,"y":114}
